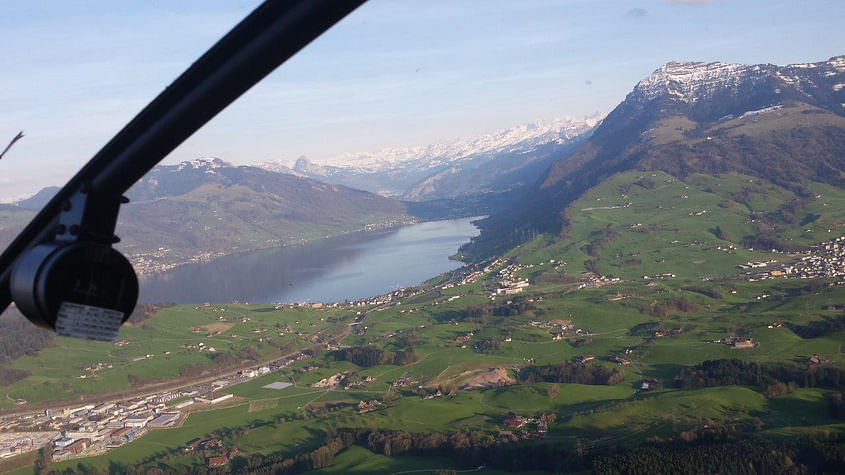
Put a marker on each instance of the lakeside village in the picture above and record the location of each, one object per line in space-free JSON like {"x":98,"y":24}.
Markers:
{"x":92,"y":429}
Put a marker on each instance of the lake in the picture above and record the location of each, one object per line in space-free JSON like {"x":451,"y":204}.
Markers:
{"x":332,"y":270}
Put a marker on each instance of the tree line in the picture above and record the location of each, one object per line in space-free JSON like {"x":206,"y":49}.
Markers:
{"x":483,"y":311}
{"x":571,"y":373}
{"x":366,"y":356}
{"x":19,"y":337}
{"x":727,"y":372}
{"x":722,"y":453}
{"x":818,"y":328}
{"x":751,"y":456}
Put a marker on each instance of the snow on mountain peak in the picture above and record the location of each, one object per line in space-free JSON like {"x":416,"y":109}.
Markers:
{"x":207,"y":163}
{"x":521,"y":138}
{"x":692,"y":81}
{"x":837,"y":63}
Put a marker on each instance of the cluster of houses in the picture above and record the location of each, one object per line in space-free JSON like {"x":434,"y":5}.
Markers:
{"x":584,"y":359}
{"x":360,"y":383}
{"x":95,"y":428}
{"x":199,"y":347}
{"x":560,"y":329}
{"x":663,"y":332}
{"x":88,"y":428}
{"x":332,"y":381}
{"x":93,"y":368}
{"x":508,"y":282}
{"x":17,"y":443}
{"x":591,"y":280}
{"x":464,"y":338}
{"x":213,"y":445}
{"x":541,"y":424}
{"x":823,"y":261}
{"x":471,"y":273}
{"x":151,"y":262}
{"x":816,"y":360}
{"x":368,"y":406}
{"x":511,"y":287}
{"x":404,"y":381}
{"x":738,"y":342}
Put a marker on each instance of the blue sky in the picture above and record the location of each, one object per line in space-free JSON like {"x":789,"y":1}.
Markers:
{"x":394,"y":73}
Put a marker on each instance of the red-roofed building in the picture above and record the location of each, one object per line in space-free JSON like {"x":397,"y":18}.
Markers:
{"x":512,"y":420}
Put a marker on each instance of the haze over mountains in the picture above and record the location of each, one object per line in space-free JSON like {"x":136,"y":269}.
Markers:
{"x":207,"y":207}
{"x":204,"y":208}
{"x":488,"y":163}
{"x":783,"y":123}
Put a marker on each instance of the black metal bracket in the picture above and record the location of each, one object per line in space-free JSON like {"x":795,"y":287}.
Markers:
{"x":89,"y":215}
{"x":85,"y":209}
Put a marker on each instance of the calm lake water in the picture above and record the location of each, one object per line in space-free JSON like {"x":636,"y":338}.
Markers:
{"x":348,"y":267}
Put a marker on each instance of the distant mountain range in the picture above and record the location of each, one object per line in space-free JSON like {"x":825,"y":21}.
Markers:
{"x":495,"y":162}
{"x":204,"y":208}
{"x":783,"y":123}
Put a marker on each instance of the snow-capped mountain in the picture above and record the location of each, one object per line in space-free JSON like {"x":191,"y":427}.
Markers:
{"x":207,"y":207}
{"x":704,"y":89}
{"x":785,"y":124}
{"x":414,"y":172}
{"x":682,"y":103}
{"x":521,"y":138}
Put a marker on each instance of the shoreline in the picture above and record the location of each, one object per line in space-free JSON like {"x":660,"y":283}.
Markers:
{"x":158,"y":294}
{"x":202,"y":259}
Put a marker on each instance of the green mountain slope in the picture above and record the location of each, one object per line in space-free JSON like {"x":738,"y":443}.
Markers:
{"x":241,"y":208}
{"x":646,"y":223}
{"x":784,"y":124}
{"x":206,"y":208}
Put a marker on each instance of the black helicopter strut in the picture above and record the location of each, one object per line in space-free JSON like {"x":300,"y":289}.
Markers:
{"x":61,"y":270}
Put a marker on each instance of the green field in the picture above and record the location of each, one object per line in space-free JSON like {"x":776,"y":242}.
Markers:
{"x":659,"y":232}
{"x":56,"y":372}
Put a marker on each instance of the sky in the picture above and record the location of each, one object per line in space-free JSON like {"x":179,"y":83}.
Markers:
{"x":394,"y":73}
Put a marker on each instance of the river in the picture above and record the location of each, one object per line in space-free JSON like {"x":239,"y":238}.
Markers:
{"x":332,"y":270}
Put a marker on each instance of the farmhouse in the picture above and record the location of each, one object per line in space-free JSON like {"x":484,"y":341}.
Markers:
{"x":367,"y":406}
{"x":512,"y":420}
{"x":739,"y":342}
